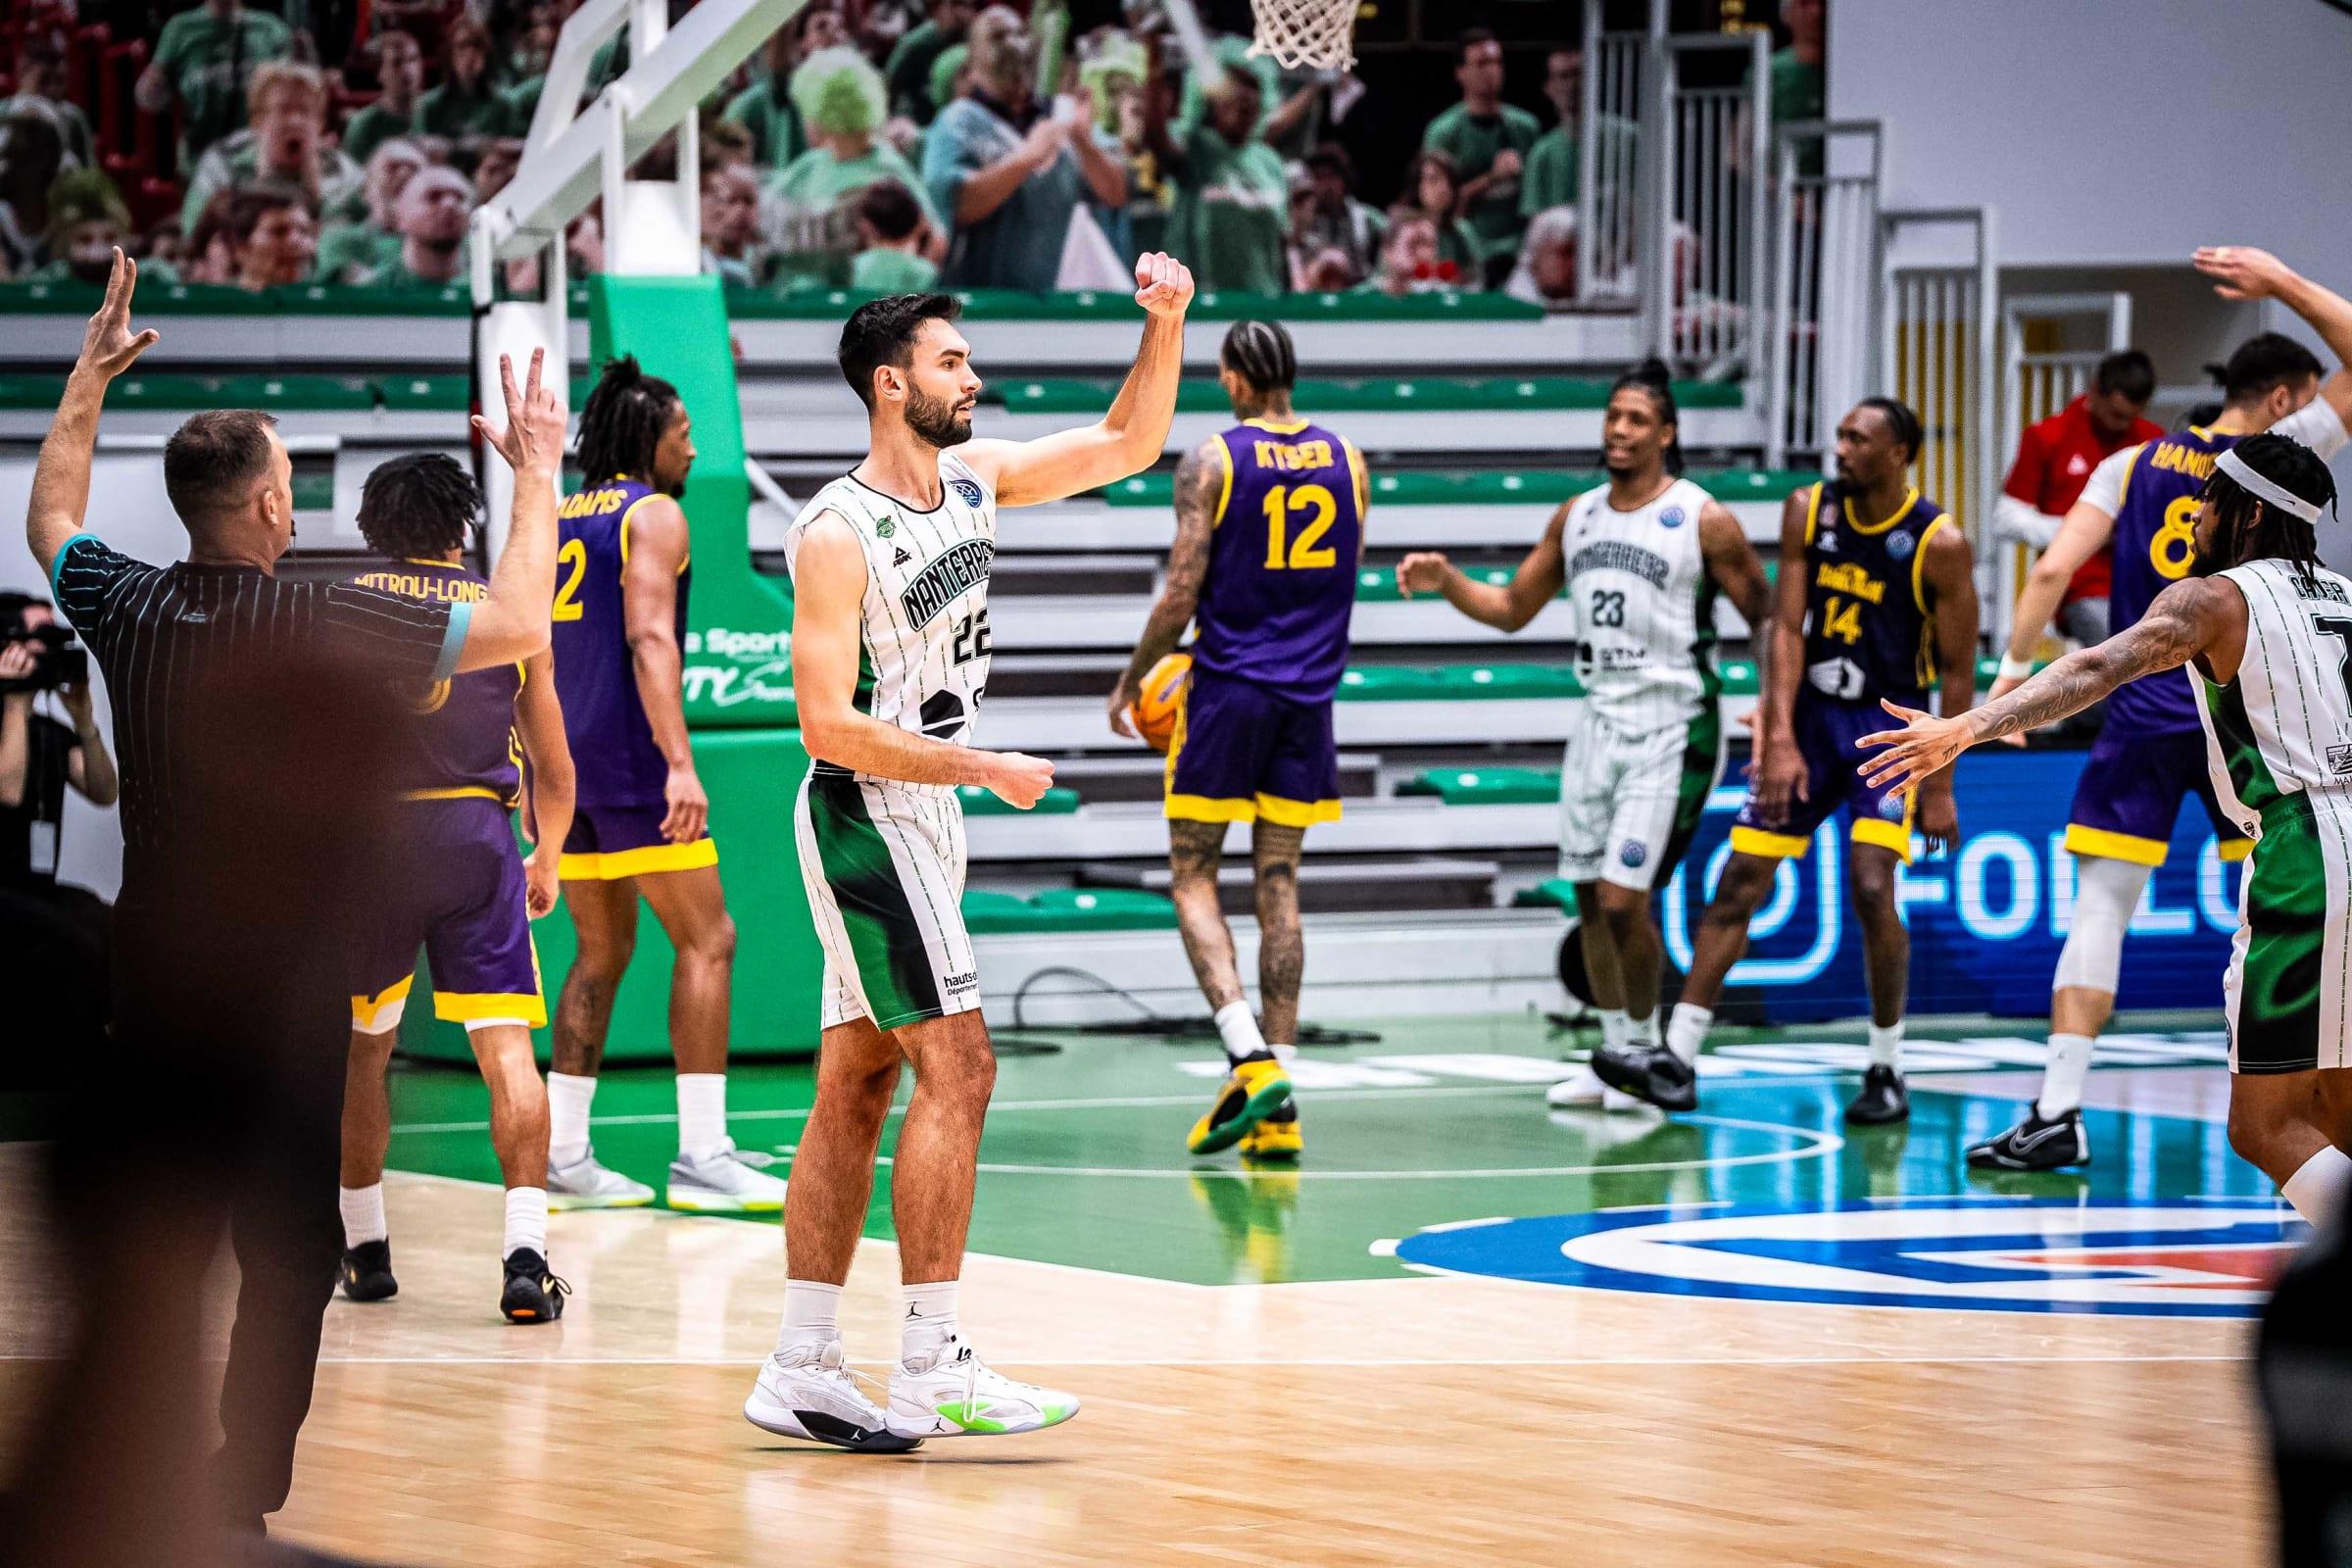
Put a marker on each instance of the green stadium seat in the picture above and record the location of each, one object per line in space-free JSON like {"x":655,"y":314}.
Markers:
{"x":1105,"y":909}
{"x":302,"y":394}
{"x":1378,"y":584}
{"x":830,"y":305}
{"x":1556,"y":892}
{"x":1387,"y":683}
{"x":1487,"y":786}
{"x":978,"y":801}
{"x":313,"y":492}
{"x":33,"y":392}
{"x":986,"y":910}
{"x":427,"y":394}
{"x":1431,"y":394}
{"x":1495,"y":489}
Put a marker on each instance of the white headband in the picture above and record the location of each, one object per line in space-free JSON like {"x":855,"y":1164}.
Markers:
{"x":2277,"y":495}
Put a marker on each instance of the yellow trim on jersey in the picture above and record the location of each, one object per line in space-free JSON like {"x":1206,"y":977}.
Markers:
{"x":1910,"y":500}
{"x":1813,"y":512}
{"x":1895,"y":836}
{"x":1296,"y":813}
{"x":1771,"y":846}
{"x":2235,"y":849}
{"x":2122,"y":486}
{"x":2106,"y":845}
{"x":1208,"y":808}
{"x":1271,"y":429}
{"x":463,"y":792}
{"x":1363,"y":485}
{"x":640,"y":861}
{"x":1224,"y":492}
{"x":469,"y":1007}
{"x":683,"y":562}
{"x":365,"y":1009}
{"x":1919,"y":563}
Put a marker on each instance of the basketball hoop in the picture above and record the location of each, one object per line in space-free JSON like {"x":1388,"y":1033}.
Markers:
{"x":1306,"y":35}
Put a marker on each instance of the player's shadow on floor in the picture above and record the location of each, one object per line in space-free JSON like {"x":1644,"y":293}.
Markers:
{"x":803,"y":1450}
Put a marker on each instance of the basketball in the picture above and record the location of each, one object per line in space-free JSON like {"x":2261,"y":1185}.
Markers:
{"x":1155,"y":708}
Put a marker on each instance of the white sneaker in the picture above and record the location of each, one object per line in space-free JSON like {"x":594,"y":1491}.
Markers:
{"x":589,"y":1185}
{"x":1582,"y":1089}
{"x":810,"y":1392}
{"x":955,"y":1394}
{"x":723,"y":1183}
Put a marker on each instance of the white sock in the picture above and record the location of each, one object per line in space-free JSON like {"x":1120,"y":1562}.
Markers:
{"x":363,"y":1214}
{"x":929,"y":1321}
{"x":1687,"y":1030}
{"x":526,"y":1220}
{"x":812,"y":1315}
{"x":702,"y":1114}
{"x":1284,"y":1052}
{"x":1614,"y":1026}
{"x":1887,"y":1044}
{"x":1239,"y":1025}
{"x":2062,"y":1079}
{"x":2318,"y":1190}
{"x":1643,"y":1033}
{"x":568,"y":1097}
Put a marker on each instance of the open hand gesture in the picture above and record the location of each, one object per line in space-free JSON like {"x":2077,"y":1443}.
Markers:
{"x":1925,"y":745}
{"x":109,"y":346}
{"x":2243,"y":272}
{"x":1163,"y":286}
{"x":533,"y":438}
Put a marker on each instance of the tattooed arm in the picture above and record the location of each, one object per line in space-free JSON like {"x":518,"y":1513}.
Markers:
{"x":2194,"y":615}
{"x":1199,"y":481}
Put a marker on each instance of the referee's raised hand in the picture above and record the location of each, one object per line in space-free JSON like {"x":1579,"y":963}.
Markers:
{"x":109,"y":346}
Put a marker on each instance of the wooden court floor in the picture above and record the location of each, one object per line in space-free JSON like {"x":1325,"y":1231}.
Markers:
{"x":1259,"y":1394}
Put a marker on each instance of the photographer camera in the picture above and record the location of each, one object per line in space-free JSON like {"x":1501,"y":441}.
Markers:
{"x":53,"y":938}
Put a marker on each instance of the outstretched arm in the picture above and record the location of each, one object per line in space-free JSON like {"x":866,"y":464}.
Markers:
{"x":2243,"y":272}
{"x":2194,"y":615}
{"x":61,"y":479}
{"x":511,"y":622}
{"x":1126,"y":440}
{"x":1200,"y":480}
{"x":1506,"y":607}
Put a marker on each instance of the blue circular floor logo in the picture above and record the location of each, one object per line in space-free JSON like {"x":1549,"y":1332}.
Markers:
{"x":2111,"y":1256}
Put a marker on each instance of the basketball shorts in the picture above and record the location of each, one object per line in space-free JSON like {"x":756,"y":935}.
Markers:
{"x":1630,"y":802}
{"x":1242,"y":752}
{"x":2288,"y":992}
{"x":610,"y":841}
{"x":1826,"y":733}
{"x":883,"y":863}
{"x":2131,"y":792}
{"x":452,"y":885}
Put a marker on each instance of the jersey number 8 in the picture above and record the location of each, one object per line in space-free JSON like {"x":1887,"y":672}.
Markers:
{"x":2175,"y":545}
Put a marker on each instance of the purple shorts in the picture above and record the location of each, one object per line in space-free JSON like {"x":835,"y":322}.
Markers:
{"x":1826,"y":732}
{"x":454,"y":885}
{"x":610,"y":841}
{"x":1240,"y":753}
{"x":2130,"y":795}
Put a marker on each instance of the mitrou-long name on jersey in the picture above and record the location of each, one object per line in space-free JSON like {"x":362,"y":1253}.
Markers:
{"x":1280,"y":590}
{"x":462,"y":742}
{"x":613,"y":746}
{"x":1644,"y":605}
{"x":1867,"y":629}
{"x":923,"y":642}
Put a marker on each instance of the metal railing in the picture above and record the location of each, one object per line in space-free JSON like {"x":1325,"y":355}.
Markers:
{"x":1706,"y":270}
{"x":1938,"y":353}
{"x":1822,"y":333}
{"x":1618,"y":69}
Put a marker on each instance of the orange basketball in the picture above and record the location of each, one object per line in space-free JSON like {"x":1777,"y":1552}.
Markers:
{"x":1154,"y":709}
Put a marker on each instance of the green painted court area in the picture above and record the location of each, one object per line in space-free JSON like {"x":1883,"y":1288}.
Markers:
{"x":1442,"y":1120}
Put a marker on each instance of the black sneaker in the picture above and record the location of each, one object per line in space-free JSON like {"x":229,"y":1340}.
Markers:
{"x":367,"y":1272}
{"x":1649,"y":1072}
{"x":2036,"y":1144}
{"x":533,"y":1295}
{"x":1882,"y":1099}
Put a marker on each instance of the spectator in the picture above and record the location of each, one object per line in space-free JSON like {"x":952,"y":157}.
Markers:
{"x":1287,"y":109}
{"x":275,"y":239}
{"x":908,"y":73}
{"x":1554,"y":174}
{"x":1142,"y":225}
{"x":166,"y":243}
{"x":40,"y":81}
{"x":1799,"y":85}
{"x":205,"y":62}
{"x":1232,"y":199}
{"x":2054,"y":459}
{"x":353,"y":250}
{"x":1433,"y":189}
{"x":209,"y":254}
{"x":467,"y":105}
{"x":86,"y":221}
{"x":1409,"y":263}
{"x":430,"y":212}
{"x":1333,"y":223}
{"x":725,"y":145}
{"x":30,"y":155}
{"x":285,"y":147}
{"x":1488,"y":141}
{"x":1545,"y":274}
{"x":766,"y":107}
{"x":948,"y":78}
{"x":839,"y":98}
{"x":399,"y":79}
{"x":1005,"y":172}
{"x":892,"y":237}
{"x":532,"y":40}
{"x":731,"y":225}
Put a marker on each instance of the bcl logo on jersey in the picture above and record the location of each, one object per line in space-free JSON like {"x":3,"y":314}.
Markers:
{"x":2111,"y":1256}
{"x":1671,"y":518}
{"x":964,"y":488}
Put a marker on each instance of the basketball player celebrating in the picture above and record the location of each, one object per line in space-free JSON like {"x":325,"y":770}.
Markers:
{"x":1643,"y":559}
{"x":2267,"y":632}
{"x":455,"y":883}
{"x":890,"y":642}
{"x":1269,"y":533}
{"x":642,"y":826}
{"x":2149,"y":754}
{"x":1877,"y":599}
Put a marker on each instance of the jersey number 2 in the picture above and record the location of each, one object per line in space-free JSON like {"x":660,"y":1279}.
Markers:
{"x":1281,"y":501}
{"x":2337,"y":627}
{"x":971,"y":638}
{"x":574,"y":555}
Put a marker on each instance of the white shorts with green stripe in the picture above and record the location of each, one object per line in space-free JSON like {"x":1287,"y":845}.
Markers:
{"x":883,"y":863}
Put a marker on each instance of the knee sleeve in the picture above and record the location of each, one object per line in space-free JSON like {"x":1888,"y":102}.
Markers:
{"x":2106,"y":892}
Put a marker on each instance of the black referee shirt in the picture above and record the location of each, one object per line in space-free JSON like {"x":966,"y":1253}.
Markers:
{"x":165,"y":636}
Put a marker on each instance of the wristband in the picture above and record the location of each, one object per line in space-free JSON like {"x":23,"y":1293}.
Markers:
{"x":2016,"y":668}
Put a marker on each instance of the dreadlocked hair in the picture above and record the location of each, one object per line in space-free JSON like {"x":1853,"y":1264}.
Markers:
{"x":419,"y":506}
{"x":2255,"y":531}
{"x":623,"y":422}
{"x":1653,"y":377}
{"x":1902,"y":422}
{"x":1260,"y":353}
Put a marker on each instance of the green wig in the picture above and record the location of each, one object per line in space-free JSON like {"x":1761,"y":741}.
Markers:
{"x":839,"y":93}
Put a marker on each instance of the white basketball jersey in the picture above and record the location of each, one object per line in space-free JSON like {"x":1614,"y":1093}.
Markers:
{"x":2283,"y":727}
{"x":924,"y":622}
{"x":1644,"y":605}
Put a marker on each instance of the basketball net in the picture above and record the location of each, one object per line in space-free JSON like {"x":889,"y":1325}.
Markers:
{"x":1306,"y":35}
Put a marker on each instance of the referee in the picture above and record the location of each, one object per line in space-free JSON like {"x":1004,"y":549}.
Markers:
{"x":252,"y":718}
